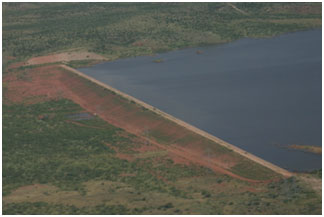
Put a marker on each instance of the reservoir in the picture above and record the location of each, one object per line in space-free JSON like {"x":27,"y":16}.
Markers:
{"x":258,"y":94}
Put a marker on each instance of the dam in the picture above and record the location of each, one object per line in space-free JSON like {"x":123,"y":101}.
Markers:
{"x":259,"y":94}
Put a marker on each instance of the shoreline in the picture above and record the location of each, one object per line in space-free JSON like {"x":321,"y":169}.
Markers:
{"x":24,"y":63}
{"x":192,"y":128}
{"x":199,"y":47}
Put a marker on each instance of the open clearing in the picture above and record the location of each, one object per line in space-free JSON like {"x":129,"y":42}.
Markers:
{"x":64,"y":57}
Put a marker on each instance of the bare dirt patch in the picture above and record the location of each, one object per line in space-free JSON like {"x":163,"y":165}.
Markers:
{"x":18,"y":90}
{"x":64,"y":57}
{"x":32,"y":193}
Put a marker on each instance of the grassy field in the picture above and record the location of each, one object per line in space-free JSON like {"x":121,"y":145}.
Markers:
{"x":55,"y":163}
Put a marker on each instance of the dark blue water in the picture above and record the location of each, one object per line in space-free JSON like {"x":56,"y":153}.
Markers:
{"x":257,"y":94}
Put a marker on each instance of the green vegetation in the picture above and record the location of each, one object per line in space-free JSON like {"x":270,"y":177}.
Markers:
{"x":252,"y":170}
{"x":119,"y":30}
{"x":41,"y":208}
{"x":316,"y":173}
{"x":64,"y":154}
{"x":76,"y":160}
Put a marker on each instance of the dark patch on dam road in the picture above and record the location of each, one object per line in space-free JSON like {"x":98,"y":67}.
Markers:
{"x":257,"y":94}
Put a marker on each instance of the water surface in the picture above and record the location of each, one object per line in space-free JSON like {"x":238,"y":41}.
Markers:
{"x":257,"y":94}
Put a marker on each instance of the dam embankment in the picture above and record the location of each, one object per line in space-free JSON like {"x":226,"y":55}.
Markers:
{"x":260,"y":94}
{"x":178,"y":127}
